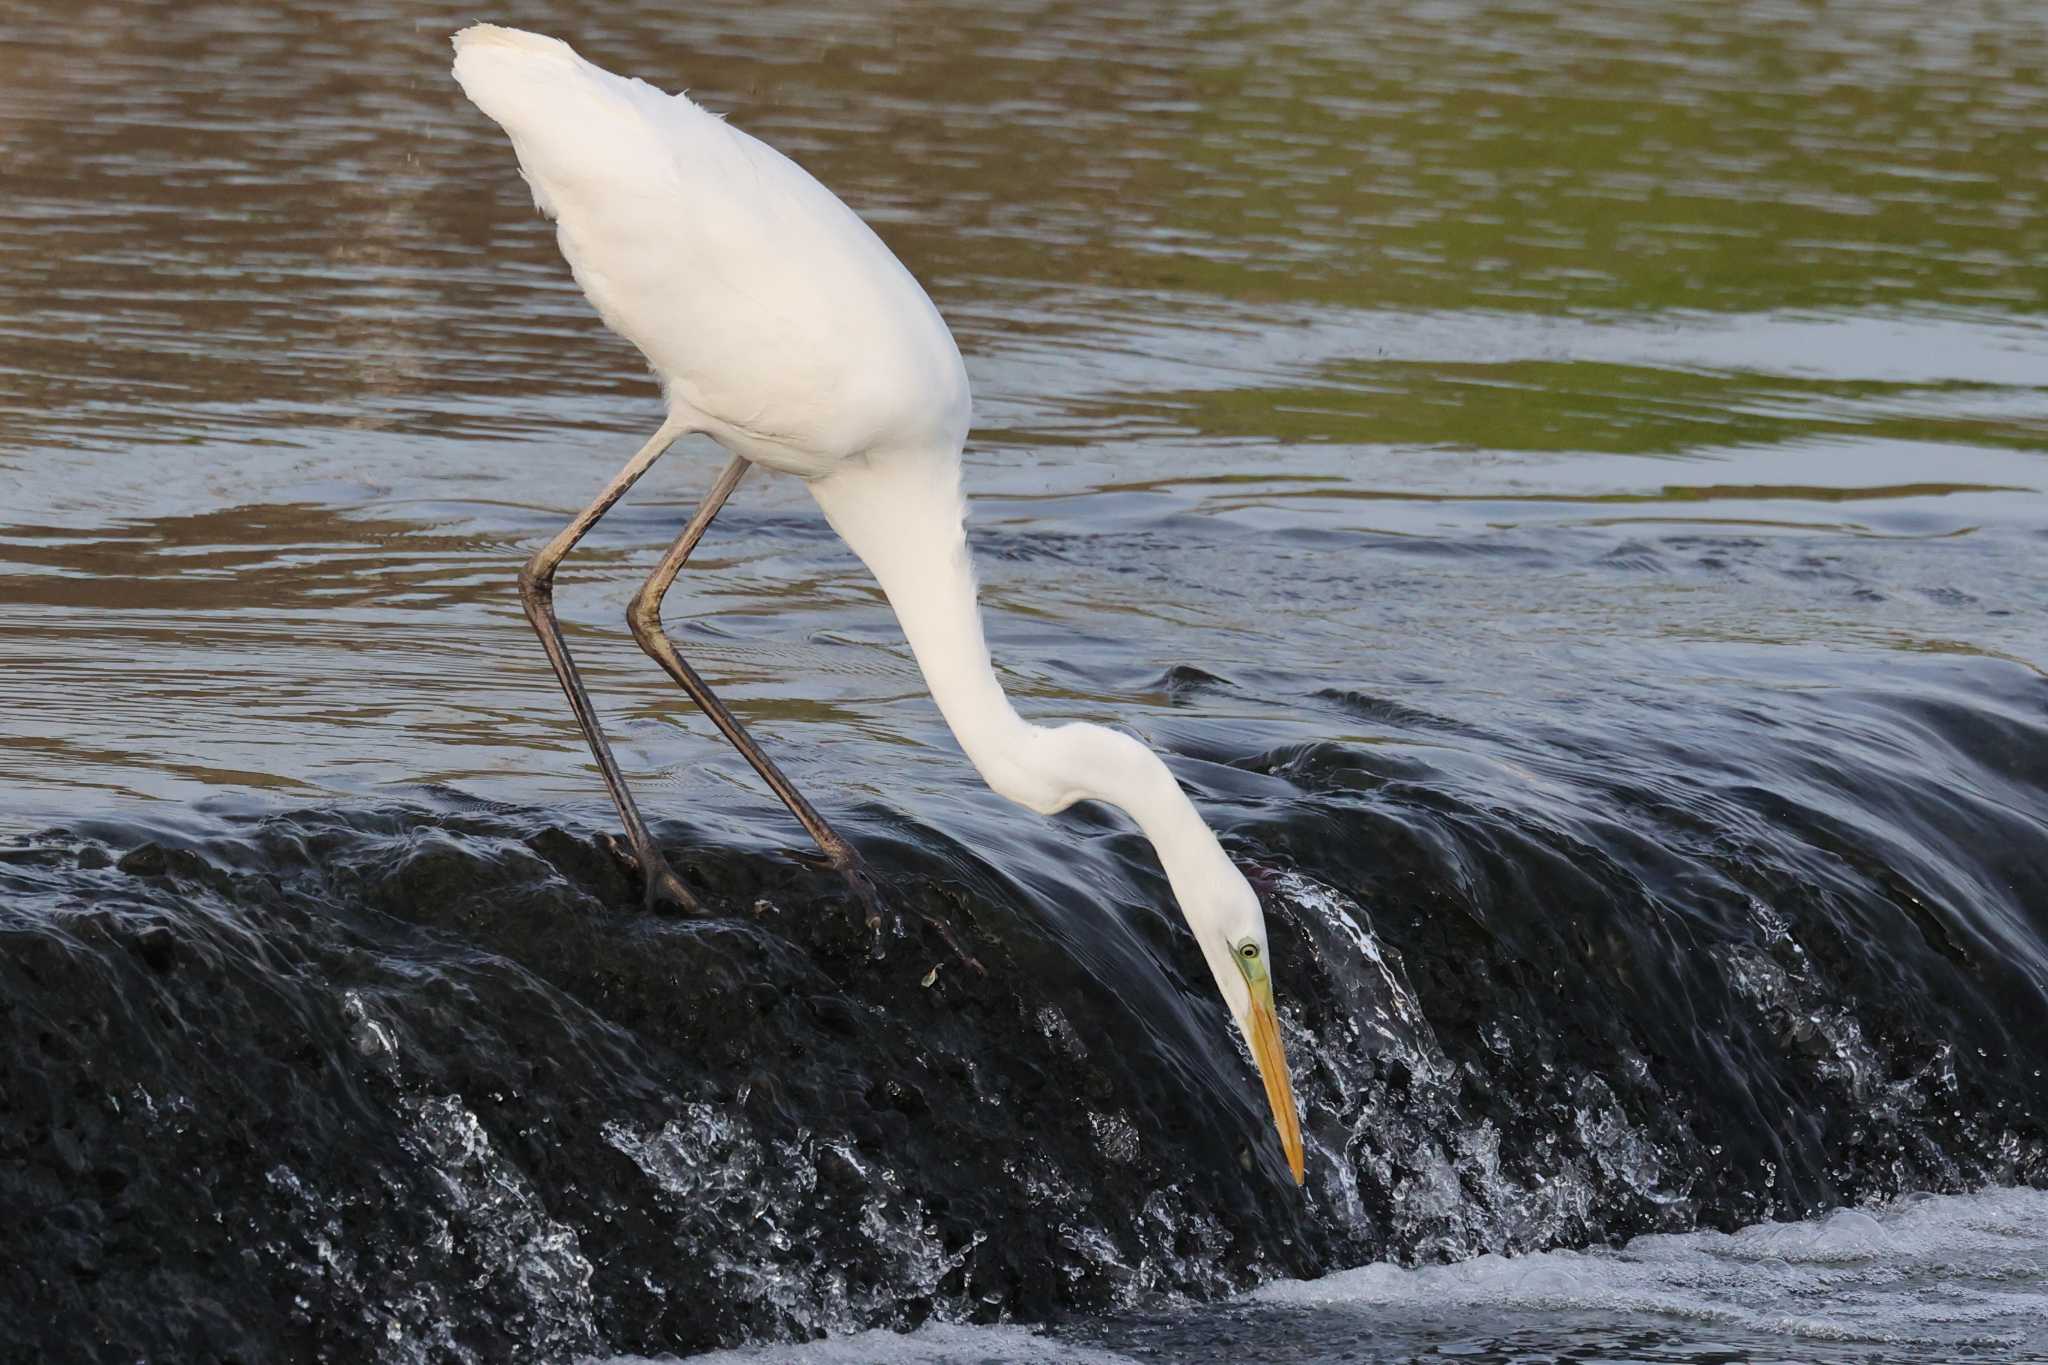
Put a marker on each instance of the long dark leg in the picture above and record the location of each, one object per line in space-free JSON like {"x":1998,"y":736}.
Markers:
{"x":644,"y":616}
{"x":537,"y":594}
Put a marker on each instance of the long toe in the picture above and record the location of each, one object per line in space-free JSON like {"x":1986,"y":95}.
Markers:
{"x":621,"y":854}
{"x":945,"y":931}
{"x":662,"y":889}
{"x":868,"y":895}
{"x":867,"y":900}
{"x":666,"y":894}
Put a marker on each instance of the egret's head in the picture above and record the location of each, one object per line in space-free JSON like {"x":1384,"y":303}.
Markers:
{"x":1050,"y":769}
{"x":1232,"y":931}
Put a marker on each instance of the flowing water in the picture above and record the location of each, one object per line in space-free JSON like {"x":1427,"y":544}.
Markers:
{"x":1563,"y":483}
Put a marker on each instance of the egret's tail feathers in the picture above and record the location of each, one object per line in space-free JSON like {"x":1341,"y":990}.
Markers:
{"x":572,"y":122}
{"x":497,"y":35}
{"x":501,"y":69}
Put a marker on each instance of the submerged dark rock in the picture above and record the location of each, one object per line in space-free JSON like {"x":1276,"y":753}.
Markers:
{"x":424,"y":1082}
{"x":437,"y":1074}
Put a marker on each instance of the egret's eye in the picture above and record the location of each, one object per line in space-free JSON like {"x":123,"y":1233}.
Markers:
{"x":1249,"y":951}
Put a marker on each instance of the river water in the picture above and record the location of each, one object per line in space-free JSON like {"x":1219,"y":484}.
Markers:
{"x":1563,"y":483}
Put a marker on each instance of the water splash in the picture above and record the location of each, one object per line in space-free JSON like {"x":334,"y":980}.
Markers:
{"x":1403,"y":1161}
{"x":750,"y":1206}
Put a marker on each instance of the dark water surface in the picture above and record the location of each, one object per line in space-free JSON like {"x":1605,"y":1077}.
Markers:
{"x":1563,"y":482}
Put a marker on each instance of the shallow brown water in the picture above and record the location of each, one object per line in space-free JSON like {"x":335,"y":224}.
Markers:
{"x":293,"y":376}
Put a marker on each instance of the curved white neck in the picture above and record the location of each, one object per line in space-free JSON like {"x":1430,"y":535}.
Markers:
{"x":905,"y":517}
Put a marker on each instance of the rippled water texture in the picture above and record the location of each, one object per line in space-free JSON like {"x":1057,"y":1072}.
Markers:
{"x":1562,"y":481}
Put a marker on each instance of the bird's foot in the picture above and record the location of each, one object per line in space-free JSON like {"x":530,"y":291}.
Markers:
{"x":666,"y":893}
{"x":866,"y":898}
{"x":662,"y":889}
{"x":838,"y":856}
{"x":849,"y":865}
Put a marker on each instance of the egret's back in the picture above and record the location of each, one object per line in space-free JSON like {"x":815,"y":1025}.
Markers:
{"x":775,"y":318}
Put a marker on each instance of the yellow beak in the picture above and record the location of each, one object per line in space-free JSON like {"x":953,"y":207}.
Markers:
{"x":1264,"y":1034}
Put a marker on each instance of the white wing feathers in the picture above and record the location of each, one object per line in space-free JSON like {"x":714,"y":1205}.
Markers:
{"x":767,"y":307}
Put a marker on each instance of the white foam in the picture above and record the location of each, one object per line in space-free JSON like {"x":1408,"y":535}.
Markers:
{"x":1928,"y":1277}
{"x":938,"y":1344}
{"x":1940,"y":1270}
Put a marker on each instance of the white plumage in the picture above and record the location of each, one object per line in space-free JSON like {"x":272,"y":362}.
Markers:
{"x":782,"y":327}
{"x":772,"y":313}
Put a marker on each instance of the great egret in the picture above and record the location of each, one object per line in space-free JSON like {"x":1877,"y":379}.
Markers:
{"x":783,"y":328}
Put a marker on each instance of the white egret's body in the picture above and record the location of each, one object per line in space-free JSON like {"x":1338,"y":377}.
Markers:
{"x":776,"y":319}
{"x":782,"y":327}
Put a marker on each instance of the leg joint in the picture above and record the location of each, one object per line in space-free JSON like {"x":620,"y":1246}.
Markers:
{"x":536,"y":584}
{"x":643,"y":617}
